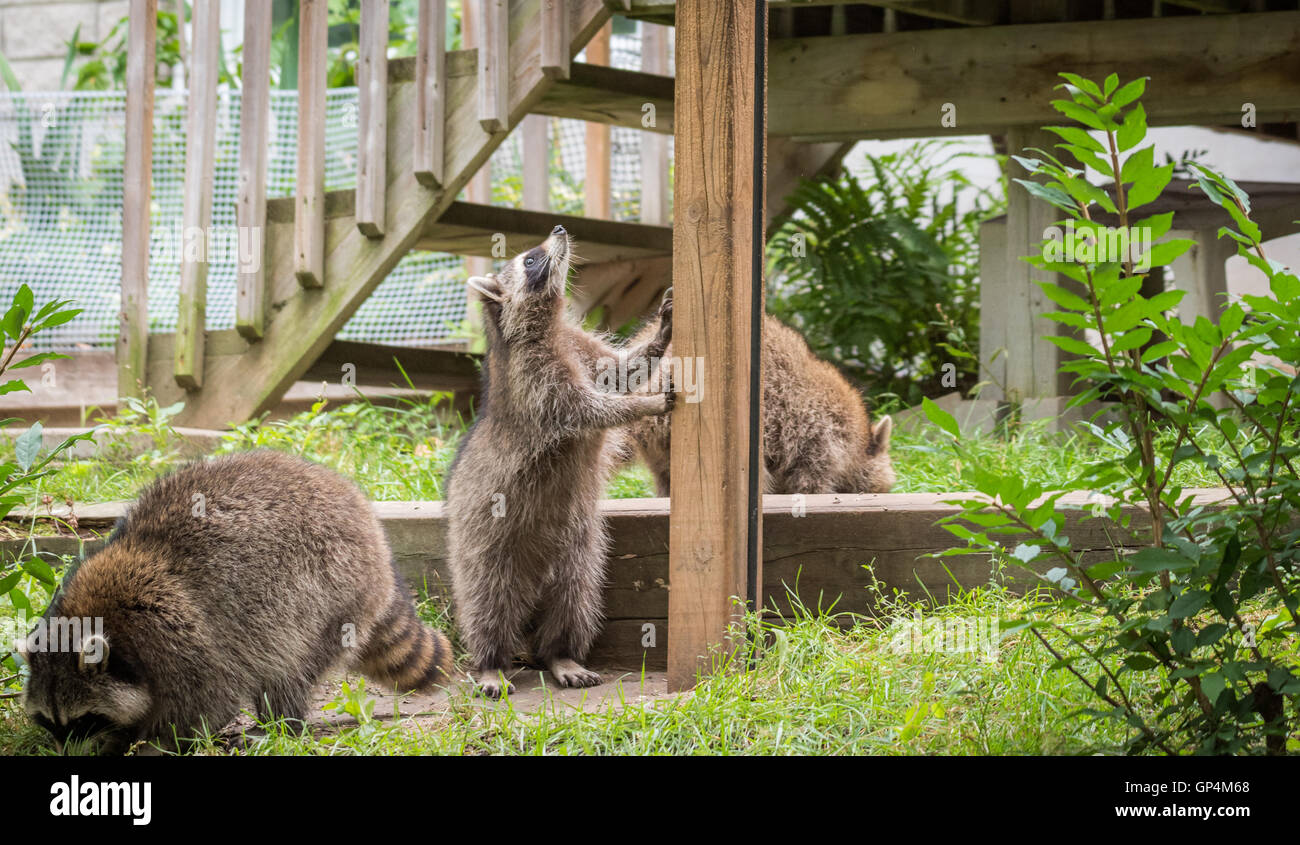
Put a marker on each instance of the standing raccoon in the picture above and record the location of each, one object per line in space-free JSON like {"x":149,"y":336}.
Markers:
{"x":232,"y":582}
{"x":526,"y":540}
{"x":817,"y":437}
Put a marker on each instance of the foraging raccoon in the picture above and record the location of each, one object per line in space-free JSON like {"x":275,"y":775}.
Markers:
{"x":526,"y":540}
{"x":817,"y":436}
{"x":231,"y":582}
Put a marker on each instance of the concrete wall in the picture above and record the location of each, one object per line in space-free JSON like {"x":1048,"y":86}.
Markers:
{"x":34,"y":34}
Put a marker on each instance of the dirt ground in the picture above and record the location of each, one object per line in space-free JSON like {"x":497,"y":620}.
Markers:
{"x":534,"y":691}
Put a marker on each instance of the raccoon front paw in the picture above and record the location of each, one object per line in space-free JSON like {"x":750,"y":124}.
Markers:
{"x":570,"y":673}
{"x":666,"y":317}
{"x":670,"y":401}
{"x":494,"y":684}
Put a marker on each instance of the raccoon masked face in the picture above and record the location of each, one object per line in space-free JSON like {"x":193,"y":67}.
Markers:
{"x":86,"y":704}
{"x":535,"y":276}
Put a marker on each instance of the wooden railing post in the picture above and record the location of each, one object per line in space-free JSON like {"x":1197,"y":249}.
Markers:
{"x":536,"y":142}
{"x":250,"y":208}
{"x":200,"y":161}
{"x":654,"y":145}
{"x":494,"y":65}
{"x":309,"y":213}
{"x":596,"y":186}
{"x":431,"y":99}
{"x":137,"y":172}
{"x":719,"y":130}
{"x":372,"y":91}
{"x":555,"y":39}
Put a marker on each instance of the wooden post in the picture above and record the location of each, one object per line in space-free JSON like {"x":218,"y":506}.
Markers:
{"x":1031,"y":361}
{"x":536,"y":143}
{"x":372,"y":94}
{"x":137,"y":171}
{"x":200,"y":161}
{"x":719,"y":129}
{"x":309,"y":211}
{"x":994,"y":296}
{"x":250,"y":208}
{"x":555,"y":39}
{"x":494,"y":65}
{"x":479,"y":188}
{"x":431,"y":101}
{"x":654,"y":145}
{"x":596,"y":186}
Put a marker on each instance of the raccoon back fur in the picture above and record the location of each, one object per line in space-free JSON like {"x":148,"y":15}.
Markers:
{"x":233,"y":582}
{"x":526,"y":542}
{"x":817,"y":436}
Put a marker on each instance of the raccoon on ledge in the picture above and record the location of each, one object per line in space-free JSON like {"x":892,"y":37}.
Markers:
{"x":231,"y":583}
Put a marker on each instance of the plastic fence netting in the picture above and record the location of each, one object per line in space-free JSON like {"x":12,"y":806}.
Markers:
{"x":61,"y":157}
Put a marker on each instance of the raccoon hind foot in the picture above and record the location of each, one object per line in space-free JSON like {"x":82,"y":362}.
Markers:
{"x":570,"y":673}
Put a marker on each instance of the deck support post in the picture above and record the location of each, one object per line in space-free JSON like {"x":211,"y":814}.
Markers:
{"x":719,"y":131}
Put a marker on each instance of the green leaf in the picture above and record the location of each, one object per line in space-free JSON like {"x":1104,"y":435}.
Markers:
{"x":1077,"y":137}
{"x":1055,"y":196}
{"x":1064,"y":298}
{"x":1086,"y":85}
{"x":40,"y":570}
{"x":940,"y":417}
{"x":28,"y":446}
{"x":1149,"y":187}
{"x":7,"y":582}
{"x":1164,"y":254}
{"x":1076,"y":112}
{"x":1188,"y":603}
{"x":1109,"y":84}
{"x":1213,"y":685}
{"x":1130,"y":92}
{"x":1132,"y":129}
{"x":1139,"y":164}
{"x":38,"y":358}
{"x":13,"y":386}
{"x":1152,"y":559}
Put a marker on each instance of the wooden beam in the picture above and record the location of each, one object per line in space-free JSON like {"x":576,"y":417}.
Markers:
{"x":494,"y":65}
{"x":473,"y":229}
{"x":895,"y":85}
{"x":655,"y":196}
{"x":535,"y":138}
{"x":371,"y":364}
{"x":818,"y":555}
{"x":715,"y":530}
{"x":626,"y":290}
{"x":372,"y":97}
{"x":555,"y":40}
{"x":254,"y":141}
{"x":968,"y":12}
{"x":431,"y":96}
{"x":137,"y":172}
{"x":304,"y":322}
{"x":610,"y":95}
{"x":309,"y":222}
{"x":596,"y":188}
{"x":200,"y":163}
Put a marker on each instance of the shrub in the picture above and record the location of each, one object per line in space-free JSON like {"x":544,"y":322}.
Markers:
{"x":1192,"y":640}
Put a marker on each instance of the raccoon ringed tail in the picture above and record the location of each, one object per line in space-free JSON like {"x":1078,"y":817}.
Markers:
{"x":403,"y":652}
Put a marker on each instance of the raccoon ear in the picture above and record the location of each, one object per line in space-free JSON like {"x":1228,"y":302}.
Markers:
{"x":485,"y":286}
{"x":93,"y":656}
{"x":880,"y":435}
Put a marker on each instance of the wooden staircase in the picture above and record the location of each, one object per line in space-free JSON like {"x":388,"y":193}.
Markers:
{"x":427,"y":125}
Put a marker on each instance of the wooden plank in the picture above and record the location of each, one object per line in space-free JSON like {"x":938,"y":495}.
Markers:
{"x":555,"y":40}
{"x":717,"y":254}
{"x":372,"y":96}
{"x":994,"y":298}
{"x":611,"y":95}
{"x":814,"y":547}
{"x":307,"y":320}
{"x":655,"y":197}
{"x":625,"y":290}
{"x":471,"y":229}
{"x":494,"y":65}
{"x":309,"y":219}
{"x":431,"y":99}
{"x":894,"y":85}
{"x":372,"y":364}
{"x":596,"y":188}
{"x":200,"y":163}
{"x":254,"y":141}
{"x":137,"y":182}
{"x":536,"y":143}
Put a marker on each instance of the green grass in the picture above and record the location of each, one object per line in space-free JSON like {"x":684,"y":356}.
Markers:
{"x":817,"y":688}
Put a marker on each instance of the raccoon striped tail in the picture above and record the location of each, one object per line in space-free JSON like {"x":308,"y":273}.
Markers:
{"x":404,"y":653}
